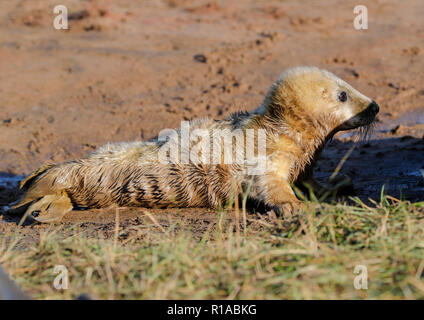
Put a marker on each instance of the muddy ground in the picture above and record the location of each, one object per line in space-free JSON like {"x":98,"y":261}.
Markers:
{"x":127,"y":69}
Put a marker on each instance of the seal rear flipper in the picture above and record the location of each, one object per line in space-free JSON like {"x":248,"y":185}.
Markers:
{"x":17,"y":208}
{"x":29,"y":181}
{"x":35,"y":186}
{"x":50,"y":208}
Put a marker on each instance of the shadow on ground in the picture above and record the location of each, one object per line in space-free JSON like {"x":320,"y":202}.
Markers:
{"x":394,"y":163}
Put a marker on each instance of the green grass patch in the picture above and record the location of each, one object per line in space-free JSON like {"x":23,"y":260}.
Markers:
{"x":312,"y":256}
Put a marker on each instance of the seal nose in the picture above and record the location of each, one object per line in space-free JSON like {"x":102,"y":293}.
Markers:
{"x":374,"y":107}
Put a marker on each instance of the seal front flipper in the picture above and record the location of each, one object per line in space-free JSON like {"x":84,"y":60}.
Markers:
{"x":50,"y":208}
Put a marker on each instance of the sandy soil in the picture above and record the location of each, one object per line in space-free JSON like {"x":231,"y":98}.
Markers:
{"x":127,"y":69}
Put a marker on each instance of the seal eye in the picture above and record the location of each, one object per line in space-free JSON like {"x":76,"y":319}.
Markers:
{"x":342,"y":96}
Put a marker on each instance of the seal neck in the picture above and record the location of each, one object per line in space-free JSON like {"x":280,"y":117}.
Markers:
{"x":306,"y":130}
{"x":307,"y":133}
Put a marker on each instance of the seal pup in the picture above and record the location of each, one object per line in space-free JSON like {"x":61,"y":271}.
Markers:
{"x":302,"y":110}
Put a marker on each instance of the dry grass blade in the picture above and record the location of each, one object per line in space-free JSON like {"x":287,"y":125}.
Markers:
{"x":151,"y":217}
{"x":311,"y":258}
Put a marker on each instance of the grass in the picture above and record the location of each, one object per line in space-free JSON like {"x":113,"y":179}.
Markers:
{"x":312,"y":256}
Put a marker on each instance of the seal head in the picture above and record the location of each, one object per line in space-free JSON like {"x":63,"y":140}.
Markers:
{"x":322,"y":95}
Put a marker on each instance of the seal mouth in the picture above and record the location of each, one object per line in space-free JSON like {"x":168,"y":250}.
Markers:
{"x":364,"y":118}
{"x":372,"y":110}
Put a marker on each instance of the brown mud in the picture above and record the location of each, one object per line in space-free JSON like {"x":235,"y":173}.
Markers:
{"x":127,"y":69}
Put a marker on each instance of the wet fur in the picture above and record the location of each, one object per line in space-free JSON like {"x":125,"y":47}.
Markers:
{"x":299,"y":114}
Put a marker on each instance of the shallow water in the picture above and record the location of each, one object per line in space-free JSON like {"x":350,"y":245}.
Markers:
{"x":9,"y":181}
{"x":411,"y":118}
{"x":419,"y":173}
